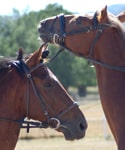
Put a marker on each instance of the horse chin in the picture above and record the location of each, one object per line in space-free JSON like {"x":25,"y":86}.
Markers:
{"x":44,"y":36}
{"x":43,"y":39}
{"x":69,"y":134}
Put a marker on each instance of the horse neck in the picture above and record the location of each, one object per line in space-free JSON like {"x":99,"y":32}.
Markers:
{"x":11,"y":93}
{"x":111,"y":83}
{"x":110,"y":48}
{"x":10,"y":99}
{"x":111,"y":51}
{"x":9,"y":132}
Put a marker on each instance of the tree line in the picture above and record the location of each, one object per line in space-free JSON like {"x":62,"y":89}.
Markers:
{"x":21,"y":31}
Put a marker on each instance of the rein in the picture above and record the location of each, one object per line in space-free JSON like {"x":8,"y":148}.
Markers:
{"x":60,"y":39}
{"x":52,"y":122}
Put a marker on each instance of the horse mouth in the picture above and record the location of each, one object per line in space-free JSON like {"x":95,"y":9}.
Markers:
{"x":43,"y":38}
{"x":43,"y":35}
{"x":71,"y":135}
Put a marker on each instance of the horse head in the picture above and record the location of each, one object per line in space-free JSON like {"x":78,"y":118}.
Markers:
{"x":38,"y":95}
{"x":77,"y":33}
{"x":58,"y":107}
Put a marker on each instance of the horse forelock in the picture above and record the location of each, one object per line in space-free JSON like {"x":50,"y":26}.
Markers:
{"x":4,"y":67}
{"x":4,"y":63}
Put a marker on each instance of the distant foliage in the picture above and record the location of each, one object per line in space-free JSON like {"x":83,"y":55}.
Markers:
{"x":21,"y":31}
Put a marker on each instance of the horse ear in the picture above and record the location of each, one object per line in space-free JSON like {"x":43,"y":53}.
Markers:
{"x":103,"y":14}
{"x":121,"y":16}
{"x":34,"y":58}
{"x":20,"y":54}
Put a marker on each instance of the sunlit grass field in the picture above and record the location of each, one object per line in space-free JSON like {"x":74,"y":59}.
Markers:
{"x":98,"y":135}
{"x":59,"y":143}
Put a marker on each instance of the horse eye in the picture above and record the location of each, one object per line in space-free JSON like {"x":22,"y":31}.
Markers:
{"x":79,"y":20}
{"x":47,"y":85}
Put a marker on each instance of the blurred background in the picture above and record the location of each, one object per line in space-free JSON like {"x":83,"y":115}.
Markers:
{"x":18,"y":28}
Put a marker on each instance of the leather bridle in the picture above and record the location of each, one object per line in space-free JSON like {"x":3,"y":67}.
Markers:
{"x":52,"y":122}
{"x":59,"y":38}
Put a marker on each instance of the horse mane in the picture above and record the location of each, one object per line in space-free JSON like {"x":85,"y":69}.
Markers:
{"x":113,"y":20}
{"x":4,"y":66}
{"x":5,"y":63}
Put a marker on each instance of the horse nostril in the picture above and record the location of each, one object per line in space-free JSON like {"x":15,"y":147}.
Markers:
{"x":43,"y":23}
{"x":82,"y":126}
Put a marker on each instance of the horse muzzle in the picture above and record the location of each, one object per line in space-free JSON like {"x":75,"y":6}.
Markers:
{"x":70,"y":132}
{"x":73,"y":133}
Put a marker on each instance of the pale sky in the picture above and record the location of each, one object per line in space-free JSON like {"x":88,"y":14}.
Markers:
{"x":76,"y":6}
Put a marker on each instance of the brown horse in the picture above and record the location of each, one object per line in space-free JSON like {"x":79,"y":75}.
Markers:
{"x":101,"y":40}
{"x":29,"y":89}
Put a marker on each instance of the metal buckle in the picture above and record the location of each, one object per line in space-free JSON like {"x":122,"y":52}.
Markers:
{"x":54,"y":123}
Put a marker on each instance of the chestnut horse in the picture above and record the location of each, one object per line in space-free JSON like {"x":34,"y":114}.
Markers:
{"x":101,"y":40}
{"x":29,"y":89}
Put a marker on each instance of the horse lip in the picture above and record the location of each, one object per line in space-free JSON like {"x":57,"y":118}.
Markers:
{"x":70,"y":135}
{"x":41,"y":31}
{"x":43,"y":37}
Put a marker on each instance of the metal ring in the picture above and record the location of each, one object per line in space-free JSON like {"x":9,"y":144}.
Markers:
{"x":57,"y":125}
{"x":54,"y":38}
{"x":28,"y":75}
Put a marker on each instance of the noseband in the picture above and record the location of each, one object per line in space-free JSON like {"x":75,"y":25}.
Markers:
{"x":59,"y":38}
{"x":52,"y":122}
